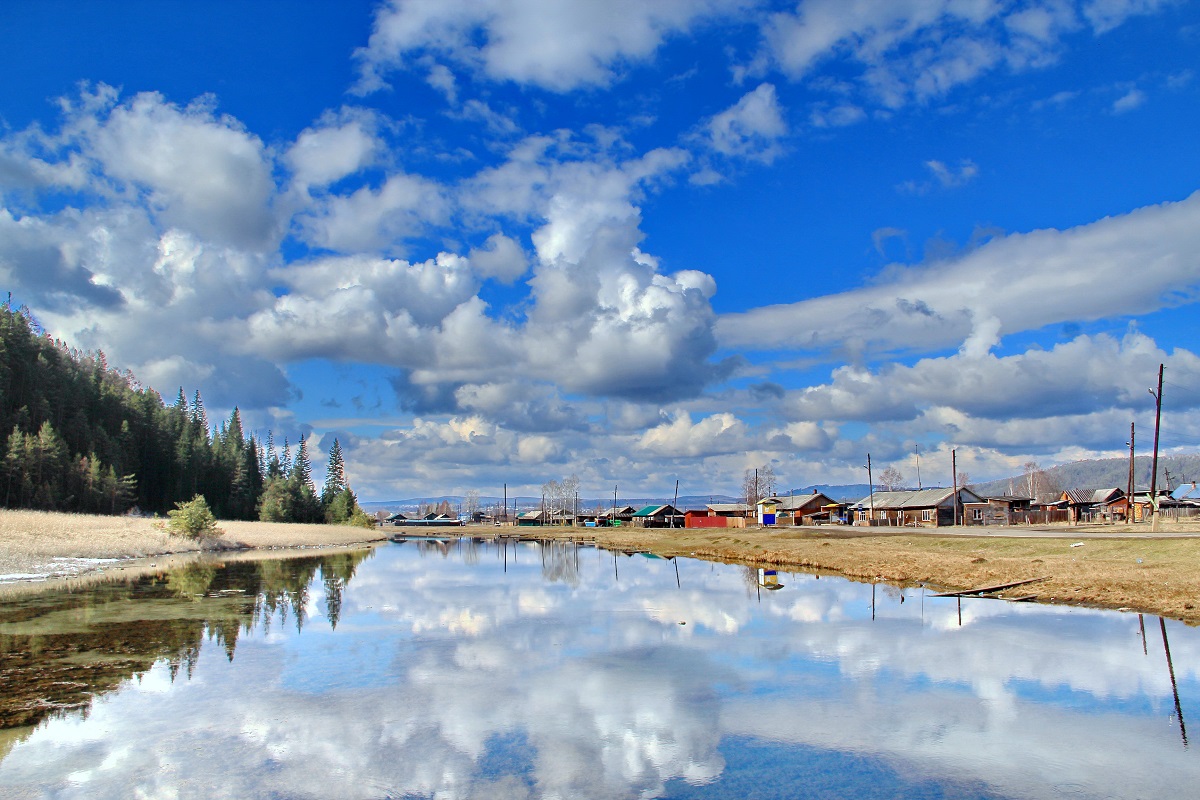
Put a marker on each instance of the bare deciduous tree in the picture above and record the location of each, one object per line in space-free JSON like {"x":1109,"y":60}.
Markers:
{"x":470,"y":502}
{"x":891,"y":480}
{"x":750,"y":487}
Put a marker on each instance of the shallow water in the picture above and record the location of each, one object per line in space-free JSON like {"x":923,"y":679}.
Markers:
{"x":478,"y":670}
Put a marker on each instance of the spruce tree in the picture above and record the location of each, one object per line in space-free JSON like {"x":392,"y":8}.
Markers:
{"x":335,"y":477}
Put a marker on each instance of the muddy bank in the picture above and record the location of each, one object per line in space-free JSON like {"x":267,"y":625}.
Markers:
{"x":1088,"y":567}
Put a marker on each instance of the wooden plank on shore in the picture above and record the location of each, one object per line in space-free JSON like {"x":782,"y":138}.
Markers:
{"x":989,"y":589}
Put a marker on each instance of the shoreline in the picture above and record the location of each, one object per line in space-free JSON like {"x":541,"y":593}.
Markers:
{"x":45,"y":548}
{"x":1088,"y":566}
{"x":1101,"y":566}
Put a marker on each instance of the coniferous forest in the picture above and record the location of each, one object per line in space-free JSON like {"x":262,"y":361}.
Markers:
{"x":81,"y":436}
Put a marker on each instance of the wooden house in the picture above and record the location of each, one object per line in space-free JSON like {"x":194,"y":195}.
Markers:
{"x":791,"y":509}
{"x":664,"y":516}
{"x":926,"y":508}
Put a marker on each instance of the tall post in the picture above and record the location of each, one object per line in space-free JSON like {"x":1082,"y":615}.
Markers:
{"x":954,"y":472}
{"x":506,"y":503}
{"x":613,"y":521}
{"x":917,"y":456}
{"x":871,"y":481}
{"x":1154,"y":461}
{"x":1129,"y":494}
{"x":675,"y":505}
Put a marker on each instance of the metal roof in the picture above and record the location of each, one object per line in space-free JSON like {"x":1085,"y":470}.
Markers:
{"x":789,"y":503}
{"x":719,"y":507}
{"x":920,"y":498}
{"x":1189,"y":491}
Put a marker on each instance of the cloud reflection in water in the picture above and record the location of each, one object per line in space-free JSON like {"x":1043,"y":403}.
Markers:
{"x":475,"y":672}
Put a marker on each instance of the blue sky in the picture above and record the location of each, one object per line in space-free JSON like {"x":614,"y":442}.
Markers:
{"x":507,"y":241}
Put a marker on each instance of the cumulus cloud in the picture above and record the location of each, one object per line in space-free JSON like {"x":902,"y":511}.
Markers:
{"x":332,"y":150}
{"x":1011,"y":284}
{"x":751,"y":128}
{"x":198,"y":171}
{"x":558,"y":47}
{"x":501,"y":258}
{"x":680,"y":437}
{"x":382,"y":218}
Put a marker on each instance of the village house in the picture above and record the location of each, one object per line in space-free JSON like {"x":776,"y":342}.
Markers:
{"x":792,"y":509}
{"x":665,"y":516}
{"x":927,"y":508}
{"x":1084,"y":505}
{"x":718,"y":515}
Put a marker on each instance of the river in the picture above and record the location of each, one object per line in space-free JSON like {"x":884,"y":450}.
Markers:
{"x":482,"y":670}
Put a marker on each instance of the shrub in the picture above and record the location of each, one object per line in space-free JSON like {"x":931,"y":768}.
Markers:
{"x":193,"y":519}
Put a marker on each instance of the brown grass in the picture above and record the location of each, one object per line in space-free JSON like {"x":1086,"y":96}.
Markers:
{"x":39,"y":542}
{"x":1111,"y":569}
{"x":1152,"y":575}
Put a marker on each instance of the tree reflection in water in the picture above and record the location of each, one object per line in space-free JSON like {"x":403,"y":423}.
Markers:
{"x":59,"y":651}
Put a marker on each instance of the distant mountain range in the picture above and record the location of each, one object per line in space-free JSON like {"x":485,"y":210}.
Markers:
{"x":525,"y":503}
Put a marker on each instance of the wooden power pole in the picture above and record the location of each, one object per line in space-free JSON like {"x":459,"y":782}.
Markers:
{"x":1129,"y":494}
{"x":1154,"y":461}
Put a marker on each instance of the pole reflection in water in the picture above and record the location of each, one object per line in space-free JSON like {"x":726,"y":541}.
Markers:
{"x":424,"y":671}
{"x":1162,"y":624}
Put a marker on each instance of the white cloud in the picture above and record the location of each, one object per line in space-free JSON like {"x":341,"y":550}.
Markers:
{"x":1132,"y":99}
{"x":943,"y":176}
{"x":375,"y":219}
{"x":920,"y":50}
{"x":200,"y":172}
{"x":331,"y":151}
{"x":557,"y":46}
{"x":751,"y":128}
{"x":1015,"y":283}
{"x":1081,"y":376}
{"x":501,"y":258}
{"x":681,"y":438}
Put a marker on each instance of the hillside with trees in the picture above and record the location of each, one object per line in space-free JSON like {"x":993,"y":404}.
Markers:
{"x":80,"y":436}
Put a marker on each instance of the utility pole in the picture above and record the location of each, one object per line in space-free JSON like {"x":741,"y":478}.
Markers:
{"x":1129,"y":496}
{"x":871,"y":481}
{"x":1154,"y":461}
{"x":917,"y":456}
{"x":954,"y":472}
{"x":675,"y":505}
{"x":506,"y":503}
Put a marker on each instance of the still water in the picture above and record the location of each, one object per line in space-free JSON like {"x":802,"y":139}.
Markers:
{"x":478,"y":670}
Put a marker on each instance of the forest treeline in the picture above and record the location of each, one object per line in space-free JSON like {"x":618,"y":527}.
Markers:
{"x":80,"y":436}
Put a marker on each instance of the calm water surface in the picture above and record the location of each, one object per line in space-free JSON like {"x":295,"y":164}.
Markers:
{"x":520,"y":671}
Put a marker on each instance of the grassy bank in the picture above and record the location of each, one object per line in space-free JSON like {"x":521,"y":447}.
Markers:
{"x":1108,"y":570}
{"x":36,"y":543}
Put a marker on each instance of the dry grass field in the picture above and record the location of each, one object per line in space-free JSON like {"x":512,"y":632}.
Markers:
{"x":1157,"y":575}
{"x":1098,"y":566}
{"x":34,"y":543}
